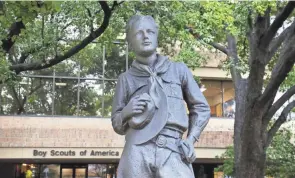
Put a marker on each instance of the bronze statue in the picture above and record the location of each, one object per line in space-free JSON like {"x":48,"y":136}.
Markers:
{"x":149,"y":109}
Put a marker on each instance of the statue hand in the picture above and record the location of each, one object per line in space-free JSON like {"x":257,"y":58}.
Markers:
{"x":135,"y":106}
{"x":188,"y":149}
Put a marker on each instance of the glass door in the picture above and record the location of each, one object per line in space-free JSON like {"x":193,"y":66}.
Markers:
{"x":74,"y":171}
{"x":80,"y":172}
{"x":67,"y":173}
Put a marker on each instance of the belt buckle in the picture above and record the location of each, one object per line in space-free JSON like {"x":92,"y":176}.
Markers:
{"x":161,"y":141}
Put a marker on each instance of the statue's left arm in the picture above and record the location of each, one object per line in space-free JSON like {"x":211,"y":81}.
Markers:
{"x":199,"y":110}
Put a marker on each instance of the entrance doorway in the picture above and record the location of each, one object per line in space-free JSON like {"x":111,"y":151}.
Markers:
{"x":74,"y":171}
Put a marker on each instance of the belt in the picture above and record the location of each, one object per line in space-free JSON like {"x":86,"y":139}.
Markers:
{"x":171,"y":133}
{"x":162,"y":141}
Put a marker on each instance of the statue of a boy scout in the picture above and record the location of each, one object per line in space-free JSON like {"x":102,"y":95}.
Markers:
{"x":149,"y":109}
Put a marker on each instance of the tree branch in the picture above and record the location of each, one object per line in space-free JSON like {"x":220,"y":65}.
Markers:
{"x":278,"y":22}
{"x":91,"y":18}
{"x":35,"y":89}
{"x":67,"y":25}
{"x":14,"y":93}
{"x":276,"y":43}
{"x":230,"y":51}
{"x":25,"y":55}
{"x":233,"y":54}
{"x":279,"y":103}
{"x":213,"y":44}
{"x":279,"y":122}
{"x":41,"y":65}
{"x":14,"y":30}
{"x":115,"y":4}
{"x":249,"y":19}
{"x":21,"y":108}
{"x":42,"y":30}
{"x":23,"y":58}
{"x":2,"y":7}
{"x":219,"y":47}
{"x":280,"y":71}
{"x":11,"y":55}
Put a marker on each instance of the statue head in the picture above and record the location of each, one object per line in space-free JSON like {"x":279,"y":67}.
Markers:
{"x":142,"y":35}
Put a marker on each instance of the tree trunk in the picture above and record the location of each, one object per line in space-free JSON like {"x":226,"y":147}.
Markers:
{"x":249,"y":141}
{"x":252,"y":168}
{"x":252,"y":155}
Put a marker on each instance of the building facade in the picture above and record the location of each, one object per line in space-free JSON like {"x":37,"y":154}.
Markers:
{"x":64,"y":146}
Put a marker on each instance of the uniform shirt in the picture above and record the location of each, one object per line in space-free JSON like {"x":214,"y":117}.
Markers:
{"x":179,"y":86}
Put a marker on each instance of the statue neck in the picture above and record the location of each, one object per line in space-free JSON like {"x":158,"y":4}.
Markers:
{"x":150,"y":60}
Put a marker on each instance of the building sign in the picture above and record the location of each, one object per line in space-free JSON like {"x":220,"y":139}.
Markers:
{"x":87,"y":152}
{"x":102,"y":153}
{"x":60,"y":153}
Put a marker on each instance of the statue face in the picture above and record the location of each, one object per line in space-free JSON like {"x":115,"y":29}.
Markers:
{"x":143,"y":38}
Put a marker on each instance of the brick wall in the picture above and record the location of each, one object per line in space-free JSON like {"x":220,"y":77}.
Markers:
{"x":24,"y":131}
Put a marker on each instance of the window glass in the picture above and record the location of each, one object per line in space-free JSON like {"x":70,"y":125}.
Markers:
{"x":6,"y":100}
{"x":65,"y":97}
{"x":27,"y":96}
{"x":39,"y":96}
{"x":229,"y":105}
{"x":102,"y":170}
{"x":97,"y":171}
{"x":220,"y":97}
{"x":80,"y":173}
{"x":111,"y":170}
{"x":27,"y":170}
{"x":90,"y":101}
{"x":50,"y":171}
{"x":213,"y":92}
{"x":109,"y":92}
{"x":115,"y":61}
{"x":67,"y":173}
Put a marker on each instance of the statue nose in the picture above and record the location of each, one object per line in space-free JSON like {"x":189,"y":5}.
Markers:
{"x":145,"y":35}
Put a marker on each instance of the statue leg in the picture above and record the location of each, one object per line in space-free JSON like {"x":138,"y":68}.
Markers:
{"x":137,"y":161}
{"x":175,"y":167}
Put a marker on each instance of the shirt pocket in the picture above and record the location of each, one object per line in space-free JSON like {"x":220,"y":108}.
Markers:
{"x":173,"y":89}
{"x":174,"y":94}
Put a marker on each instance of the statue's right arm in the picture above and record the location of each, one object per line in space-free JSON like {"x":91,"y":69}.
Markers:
{"x":119,"y":123}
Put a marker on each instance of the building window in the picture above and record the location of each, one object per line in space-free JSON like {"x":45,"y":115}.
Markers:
{"x":27,"y":170}
{"x":220,"y":96}
{"x":102,"y":170}
{"x":50,"y":171}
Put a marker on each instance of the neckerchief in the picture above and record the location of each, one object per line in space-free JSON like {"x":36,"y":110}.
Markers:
{"x":155,"y":81}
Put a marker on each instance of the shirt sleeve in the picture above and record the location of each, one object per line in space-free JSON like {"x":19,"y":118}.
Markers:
{"x":199,"y":110}
{"x":119,"y":102}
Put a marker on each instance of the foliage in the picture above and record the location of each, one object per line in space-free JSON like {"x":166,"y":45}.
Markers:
{"x":6,"y":75}
{"x":228,"y":165}
{"x":280,"y":156}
